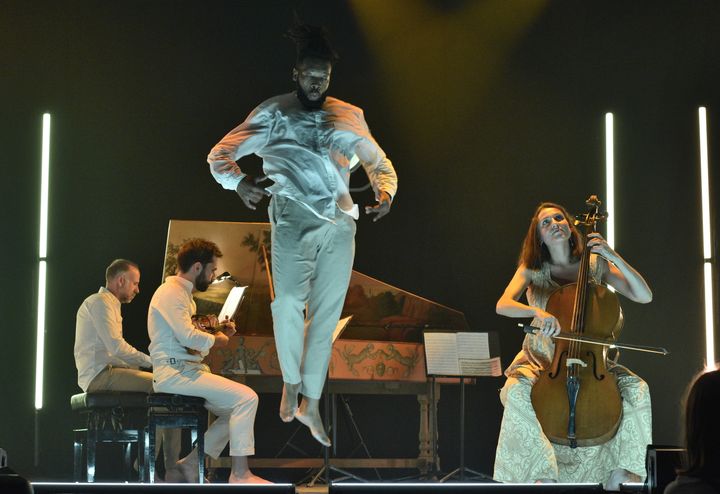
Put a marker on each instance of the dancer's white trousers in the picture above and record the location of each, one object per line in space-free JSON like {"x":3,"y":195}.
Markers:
{"x":311,"y":266}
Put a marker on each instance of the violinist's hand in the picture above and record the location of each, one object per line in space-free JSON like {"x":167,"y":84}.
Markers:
{"x":250,"y":192}
{"x":382,"y":208}
{"x":221,"y":340}
{"x":548,"y":324}
{"x":228,"y":327}
{"x":598,"y":245}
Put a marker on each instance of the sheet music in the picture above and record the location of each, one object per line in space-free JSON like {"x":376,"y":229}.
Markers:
{"x":473,"y":345}
{"x":231,"y":303}
{"x":460,"y":354}
{"x":441,"y":353}
{"x":484,"y":367}
{"x":342,"y":323}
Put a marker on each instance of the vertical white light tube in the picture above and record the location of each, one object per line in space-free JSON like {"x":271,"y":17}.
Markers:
{"x":610,"y":181}
{"x":42,"y":260}
{"x":610,"y":178}
{"x":707,"y":245}
{"x":709,"y":316}
{"x":704,"y":183}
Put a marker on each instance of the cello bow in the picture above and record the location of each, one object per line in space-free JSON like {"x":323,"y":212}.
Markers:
{"x":597,"y":341}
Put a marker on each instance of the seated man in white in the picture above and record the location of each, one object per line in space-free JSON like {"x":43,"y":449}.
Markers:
{"x":177,"y":348}
{"x":105,"y":361}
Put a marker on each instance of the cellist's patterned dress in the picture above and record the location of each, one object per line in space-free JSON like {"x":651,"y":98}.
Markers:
{"x":524,"y":454}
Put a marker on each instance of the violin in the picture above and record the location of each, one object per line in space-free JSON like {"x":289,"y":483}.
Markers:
{"x":208,"y":324}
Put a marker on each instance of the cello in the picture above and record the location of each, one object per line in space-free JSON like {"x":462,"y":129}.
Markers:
{"x":576,"y":400}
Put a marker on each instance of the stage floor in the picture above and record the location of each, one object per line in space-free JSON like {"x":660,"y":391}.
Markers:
{"x":337,"y":488}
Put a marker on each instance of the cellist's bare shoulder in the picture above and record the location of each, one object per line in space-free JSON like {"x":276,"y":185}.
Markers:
{"x":509,"y":302}
{"x":520,"y":281}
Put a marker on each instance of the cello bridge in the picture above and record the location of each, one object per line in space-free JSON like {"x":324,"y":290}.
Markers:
{"x":572,"y":361}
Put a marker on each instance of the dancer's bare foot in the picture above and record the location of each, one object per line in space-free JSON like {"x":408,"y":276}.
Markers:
{"x":289,"y":402}
{"x":309,"y":415}
{"x":248,"y":478}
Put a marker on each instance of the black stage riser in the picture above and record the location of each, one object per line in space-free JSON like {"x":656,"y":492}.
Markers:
{"x":428,"y":488}
{"x":113,"y":488}
{"x":458,"y":488}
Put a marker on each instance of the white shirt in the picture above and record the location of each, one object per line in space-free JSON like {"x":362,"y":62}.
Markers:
{"x":99,"y":342}
{"x":170,"y":324}
{"x":306,"y":153}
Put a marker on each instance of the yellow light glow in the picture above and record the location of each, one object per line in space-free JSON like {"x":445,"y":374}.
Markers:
{"x":443,"y":43}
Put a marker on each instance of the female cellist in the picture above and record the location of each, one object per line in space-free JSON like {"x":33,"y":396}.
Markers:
{"x":550,"y":258}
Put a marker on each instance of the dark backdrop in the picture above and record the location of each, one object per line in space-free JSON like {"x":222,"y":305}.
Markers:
{"x":485,"y":107}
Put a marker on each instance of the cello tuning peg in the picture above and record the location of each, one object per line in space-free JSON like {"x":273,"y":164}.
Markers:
{"x":593,"y":201}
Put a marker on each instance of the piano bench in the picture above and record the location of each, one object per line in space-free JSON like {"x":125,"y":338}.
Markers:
{"x":112,"y":417}
{"x":171,"y":411}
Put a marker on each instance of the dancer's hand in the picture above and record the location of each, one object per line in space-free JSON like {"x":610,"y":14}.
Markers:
{"x":382,"y":208}
{"x":250,"y":192}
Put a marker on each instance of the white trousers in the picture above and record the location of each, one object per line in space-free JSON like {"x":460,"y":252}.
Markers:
{"x":122,"y":379}
{"x":233,"y":403}
{"x":311,"y":265}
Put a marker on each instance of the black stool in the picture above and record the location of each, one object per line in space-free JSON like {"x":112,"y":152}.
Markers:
{"x":109,"y":420}
{"x":170,"y":411}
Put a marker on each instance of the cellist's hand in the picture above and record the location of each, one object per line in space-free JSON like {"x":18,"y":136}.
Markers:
{"x":598,"y":245}
{"x":548,"y":324}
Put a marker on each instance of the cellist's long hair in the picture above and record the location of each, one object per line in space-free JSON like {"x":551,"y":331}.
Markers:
{"x":702,"y":428}
{"x":534,"y":252}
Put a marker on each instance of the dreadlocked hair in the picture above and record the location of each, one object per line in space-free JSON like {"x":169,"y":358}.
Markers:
{"x":311,"y":42}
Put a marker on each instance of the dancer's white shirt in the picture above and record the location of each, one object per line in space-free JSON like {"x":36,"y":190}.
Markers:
{"x":307,"y":154}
